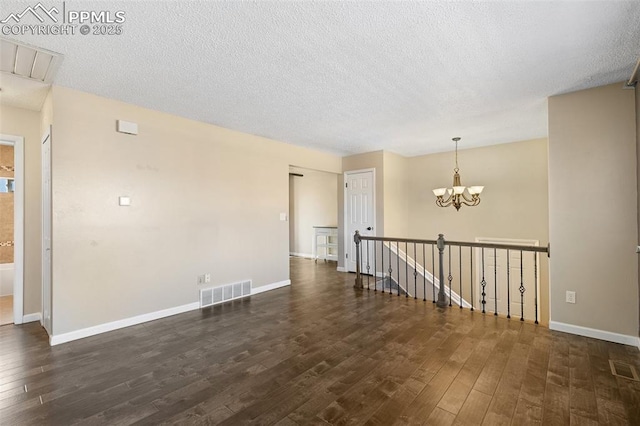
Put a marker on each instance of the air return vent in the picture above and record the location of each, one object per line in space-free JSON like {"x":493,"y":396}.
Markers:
{"x":624,"y":370}
{"x":224,"y":293}
{"x":28,"y":61}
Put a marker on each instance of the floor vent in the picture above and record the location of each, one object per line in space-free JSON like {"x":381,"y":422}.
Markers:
{"x":224,"y":293}
{"x":624,"y":370}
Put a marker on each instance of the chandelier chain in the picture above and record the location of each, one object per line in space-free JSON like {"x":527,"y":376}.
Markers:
{"x":457,"y":169}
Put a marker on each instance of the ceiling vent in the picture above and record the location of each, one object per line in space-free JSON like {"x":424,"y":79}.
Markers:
{"x":28,"y":61}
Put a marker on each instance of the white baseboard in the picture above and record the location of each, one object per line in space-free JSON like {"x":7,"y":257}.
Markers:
{"x":139,"y":319}
{"x":36,"y":316}
{"x":305,"y":255}
{"x":115,"y":325}
{"x":595,"y":333}
{"x":341,"y":269}
{"x":268,"y":287}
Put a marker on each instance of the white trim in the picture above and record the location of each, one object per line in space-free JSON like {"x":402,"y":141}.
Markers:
{"x":305,"y":255}
{"x":115,"y":325}
{"x":595,"y":333}
{"x":344,"y":213}
{"x":47,"y":314}
{"x":268,"y":287}
{"x":18,"y":225}
{"x":36,"y":316}
{"x":341,"y":269}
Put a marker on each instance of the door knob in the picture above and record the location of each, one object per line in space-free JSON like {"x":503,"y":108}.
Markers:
{"x":369,"y":228}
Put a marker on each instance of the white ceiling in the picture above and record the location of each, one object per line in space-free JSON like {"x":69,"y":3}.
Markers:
{"x":352,"y":77}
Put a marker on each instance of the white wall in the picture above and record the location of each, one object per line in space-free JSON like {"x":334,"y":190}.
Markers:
{"x":593,"y":211}
{"x":203,"y":200}
{"x":313,"y":201}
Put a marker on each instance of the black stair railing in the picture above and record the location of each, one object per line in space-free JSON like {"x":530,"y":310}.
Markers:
{"x":374,"y":254}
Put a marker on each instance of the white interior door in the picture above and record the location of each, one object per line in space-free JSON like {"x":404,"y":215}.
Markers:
{"x":359,"y":213}
{"x":46,"y":231}
{"x":496,"y":278}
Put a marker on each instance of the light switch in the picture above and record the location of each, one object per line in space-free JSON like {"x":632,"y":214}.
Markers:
{"x":283,"y":217}
{"x":124,"y":201}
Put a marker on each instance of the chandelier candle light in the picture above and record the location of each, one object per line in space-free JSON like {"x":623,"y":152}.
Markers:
{"x":456,"y":195}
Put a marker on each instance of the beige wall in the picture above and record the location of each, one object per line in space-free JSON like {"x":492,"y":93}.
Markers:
{"x":396,"y":195}
{"x":25,"y":123}
{"x":203,"y":200}
{"x":313,"y":201}
{"x":637,"y":93}
{"x":514,"y":203}
{"x":593,"y":209}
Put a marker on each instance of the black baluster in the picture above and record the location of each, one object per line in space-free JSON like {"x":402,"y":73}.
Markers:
{"x":390,"y":270}
{"x":495,"y":281}
{"x":433,"y":273}
{"x":471,"y":274}
{"x":508,"y":286}
{"x":375,"y":266}
{"x":460,"y":277}
{"x":450,"y":277}
{"x":521,"y":290}
{"x":382,"y":263}
{"x":398,"y":265}
{"x":415,"y":271}
{"x":406,"y":268}
{"x":359,"y":260}
{"x":483,"y":283}
{"x":424,"y":273}
{"x":368,"y":266}
{"x":535,"y":282}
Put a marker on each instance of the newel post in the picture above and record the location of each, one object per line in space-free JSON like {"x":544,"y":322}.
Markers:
{"x":356,"y":239}
{"x":441,"y":302}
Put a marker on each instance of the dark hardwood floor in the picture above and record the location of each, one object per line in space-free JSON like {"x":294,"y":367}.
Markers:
{"x":318,"y":352}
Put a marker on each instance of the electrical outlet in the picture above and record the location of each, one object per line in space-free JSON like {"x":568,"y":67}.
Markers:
{"x":571,"y":297}
{"x":207,"y":278}
{"x":201,"y":279}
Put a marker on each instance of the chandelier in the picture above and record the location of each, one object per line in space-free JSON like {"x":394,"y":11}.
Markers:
{"x":456,"y":196}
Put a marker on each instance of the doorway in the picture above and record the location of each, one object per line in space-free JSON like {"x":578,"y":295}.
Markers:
{"x":11,"y":229}
{"x":313,"y":214}
{"x":359,"y":205}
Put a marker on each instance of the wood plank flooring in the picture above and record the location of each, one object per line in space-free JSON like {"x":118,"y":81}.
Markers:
{"x":318,"y":352}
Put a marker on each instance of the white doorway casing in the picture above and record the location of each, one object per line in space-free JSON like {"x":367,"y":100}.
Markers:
{"x":18,"y":225}
{"x":46,"y":231}
{"x":359,"y":212}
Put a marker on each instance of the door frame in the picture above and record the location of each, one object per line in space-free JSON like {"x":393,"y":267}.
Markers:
{"x":18,"y":224}
{"x":46,"y":136}
{"x":346,"y":236}
{"x":524,"y":242}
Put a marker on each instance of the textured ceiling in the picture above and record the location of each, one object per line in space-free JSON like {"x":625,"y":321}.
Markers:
{"x":351,"y":77}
